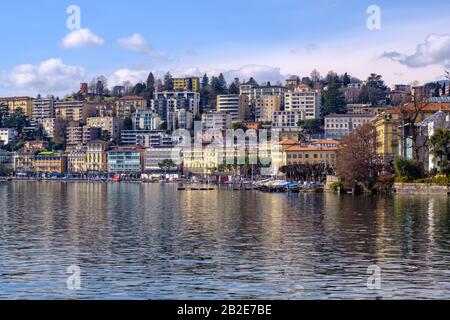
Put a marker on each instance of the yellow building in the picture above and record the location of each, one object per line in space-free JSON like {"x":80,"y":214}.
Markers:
{"x":299,"y":154}
{"x":186,"y":84}
{"x":24,"y":103}
{"x":387,"y":127}
{"x":96,"y":158}
{"x":49,"y":162}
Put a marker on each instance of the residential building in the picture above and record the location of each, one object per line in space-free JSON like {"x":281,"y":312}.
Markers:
{"x":233,"y":104}
{"x":287,"y":119}
{"x":126,"y":160}
{"x":50,"y":162}
{"x":23,"y":161}
{"x":156,"y":155}
{"x":298,"y":154}
{"x":216,"y":121}
{"x":186,"y":84}
{"x":8,"y":135}
{"x":168,"y":101}
{"x":74,"y":134}
{"x":96,"y":159}
{"x":365,"y":109}
{"x":126,"y":106}
{"x":7,"y":159}
{"x":76,"y":160}
{"x":42,"y":109}
{"x":24,"y":103}
{"x":306,"y":100}
{"x":74,"y":110}
{"x":54,"y":128}
{"x":338,"y":126}
{"x":180,"y":119}
{"x":111,"y":124}
{"x":266,"y":106}
{"x":146,"y":120}
{"x":146,"y":138}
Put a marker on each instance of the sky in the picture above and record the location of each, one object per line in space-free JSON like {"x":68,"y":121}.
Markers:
{"x":267,"y":39}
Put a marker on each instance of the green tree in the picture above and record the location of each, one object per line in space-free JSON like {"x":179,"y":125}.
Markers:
{"x":168,"y":82}
{"x":16,"y":120}
{"x":374,"y":90}
{"x":409,"y":169}
{"x":105,"y":135}
{"x":234,"y":88}
{"x":334,"y":99}
{"x":440,"y":148}
{"x":205,"y":81}
{"x":127,"y":123}
{"x":150,"y":85}
{"x":167,"y":165}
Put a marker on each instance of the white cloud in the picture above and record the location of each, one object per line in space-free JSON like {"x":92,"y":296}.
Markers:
{"x":81,"y":38}
{"x":260,"y":73}
{"x":122,"y":75}
{"x":435,"y":50}
{"x":138,"y":43}
{"x":47,"y":77}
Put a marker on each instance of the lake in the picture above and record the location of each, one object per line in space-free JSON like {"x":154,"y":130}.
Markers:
{"x":150,"y":241}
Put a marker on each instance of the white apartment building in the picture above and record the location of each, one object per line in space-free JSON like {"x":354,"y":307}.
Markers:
{"x":146,"y":120}
{"x":233,"y":104}
{"x":7,"y":136}
{"x":338,"y":126}
{"x":305,"y":100}
{"x":216,"y":121}
{"x":287,"y":119}
{"x":42,"y":109}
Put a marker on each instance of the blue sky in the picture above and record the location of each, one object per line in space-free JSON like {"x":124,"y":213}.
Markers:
{"x":267,"y":39}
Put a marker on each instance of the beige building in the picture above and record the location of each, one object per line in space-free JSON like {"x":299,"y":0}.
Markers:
{"x":76,"y":161}
{"x":24,"y":103}
{"x":74,"y":110}
{"x":265,"y":106}
{"x":111,"y":124}
{"x":126,"y":106}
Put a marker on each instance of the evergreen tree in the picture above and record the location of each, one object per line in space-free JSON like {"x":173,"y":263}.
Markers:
{"x":168,"y":82}
{"x":205,"y":81}
{"x":150,"y":85}
{"x":346,"y":80}
{"x":334,"y":99}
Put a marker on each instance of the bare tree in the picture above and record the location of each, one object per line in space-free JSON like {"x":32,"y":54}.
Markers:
{"x":410,"y":116}
{"x":358,"y":163}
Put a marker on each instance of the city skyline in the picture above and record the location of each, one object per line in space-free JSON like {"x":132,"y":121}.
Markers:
{"x":126,"y":43}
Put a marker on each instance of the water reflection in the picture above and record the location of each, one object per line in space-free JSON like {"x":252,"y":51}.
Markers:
{"x":149,"y":241}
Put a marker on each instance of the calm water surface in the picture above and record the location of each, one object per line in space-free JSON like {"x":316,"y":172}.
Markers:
{"x":135,"y":241}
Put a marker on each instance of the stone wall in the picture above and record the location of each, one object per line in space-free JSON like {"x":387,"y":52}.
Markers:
{"x":420,"y":188}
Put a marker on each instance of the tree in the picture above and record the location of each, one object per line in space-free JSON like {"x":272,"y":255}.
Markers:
{"x":168,"y":82}
{"x":150,"y":85}
{"x":410,"y":115}
{"x":346,"y":80}
{"x":167,"y":165}
{"x":358,"y":163}
{"x":234,"y":88}
{"x":127,"y":124}
{"x":409,"y":169}
{"x":218,"y":85}
{"x":333,"y":99}
{"x":439,"y":145}
{"x":315,"y":76}
{"x":205,"y":81}
{"x":16,"y":120}
{"x":374,"y":90}
{"x":252,"y":82}
{"x":140,"y":90}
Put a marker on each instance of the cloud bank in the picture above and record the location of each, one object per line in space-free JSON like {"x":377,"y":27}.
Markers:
{"x":81,"y":38}
{"x":139,"y":44}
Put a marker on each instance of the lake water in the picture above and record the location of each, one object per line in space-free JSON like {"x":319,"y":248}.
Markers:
{"x":134,"y":241}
